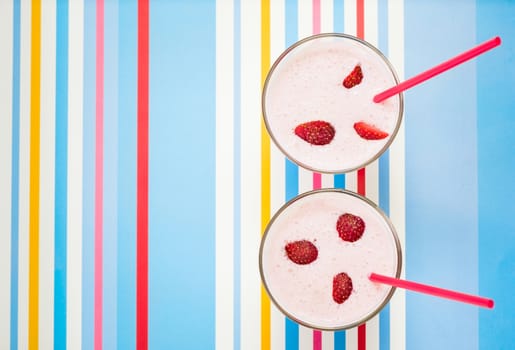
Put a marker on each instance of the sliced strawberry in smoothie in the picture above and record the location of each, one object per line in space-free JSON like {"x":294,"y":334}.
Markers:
{"x":316,"y":132}
{"x":342,"y":287}
{"x":301,"y":252}
{"x":369,"y":131}
{"x":354,"y":78}
{"x":350,"y":227}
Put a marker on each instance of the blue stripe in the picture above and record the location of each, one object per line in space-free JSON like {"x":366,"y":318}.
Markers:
{"x":384,"y":175}
{"x":126,"y":183}
{"x":237,"y":176}
{"x":61,"y":174}
{"x":340,"y":340}
{"x":182,"y":175}
{"x":496,"y":149}
{"x":291,"y":170}
{"x":339,"y":179}
{"x":338,"y":24}
{"x":384,"y":203}
{"x":15,"y":176}
{"x":88,"y":191}
{"x":441,"y":175}
{"x":110,"y":175}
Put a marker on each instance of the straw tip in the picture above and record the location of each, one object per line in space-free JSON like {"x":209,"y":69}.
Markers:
{"x":497,"y":40}
{"x":490,"y":304}
{"x":377,"y":98}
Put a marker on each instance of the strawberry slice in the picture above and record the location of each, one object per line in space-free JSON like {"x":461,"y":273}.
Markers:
{"x":342,"y":287}
{"x":369,"y":131}
{"x":354,"y":78}
{"x":350,"y":227}
{"x":316,"y":132}
{"x":301,"y":252}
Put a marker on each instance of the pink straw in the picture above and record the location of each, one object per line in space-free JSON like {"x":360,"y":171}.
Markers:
{"x":439,"y":292}
{"x":476,"y":51}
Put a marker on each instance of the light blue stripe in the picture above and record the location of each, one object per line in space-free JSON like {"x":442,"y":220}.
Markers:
{"x":338,"y":24}
{"x":88,"y":191}
{"x":384,"y":204}
{"x":291,"y":170}
{"x":237,"y":176}
{"x":441,"y":175}
{"x":126,"y":183}
{"x":182,"y":176}
{"x":15,"y":176}
{"x":339,"y":179}
{"x":61,"y":174}
{"x":496,"y":150}
{"x":110,"y":175}
{"x":384,"y":175}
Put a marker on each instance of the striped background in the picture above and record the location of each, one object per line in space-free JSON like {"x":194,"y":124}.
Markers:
{"x":136,"y":176}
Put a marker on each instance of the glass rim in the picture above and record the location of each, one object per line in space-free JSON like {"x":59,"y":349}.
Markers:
{"x":282,"y":57}
{"x":393,"y":232}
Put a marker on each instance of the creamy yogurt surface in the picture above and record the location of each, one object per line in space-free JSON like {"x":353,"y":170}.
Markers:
{"x":304,"y":292}
{"x":306,"y":85}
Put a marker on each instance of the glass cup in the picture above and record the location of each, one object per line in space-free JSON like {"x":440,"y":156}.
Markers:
{"x":305,"y":84}
{"x":304,"y":292}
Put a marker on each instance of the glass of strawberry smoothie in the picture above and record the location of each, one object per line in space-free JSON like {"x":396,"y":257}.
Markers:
{"x":318,"y":104}
{"x":316,"y":255}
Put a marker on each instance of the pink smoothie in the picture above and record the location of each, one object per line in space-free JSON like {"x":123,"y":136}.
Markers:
{"x":304,"y":292}
{"x":305,"y":84}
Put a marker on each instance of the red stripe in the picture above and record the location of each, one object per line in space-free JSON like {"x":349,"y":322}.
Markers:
{"x":360,"y":14}
{"x":360,"y":30}
{"x":142,"y":180}
{"x":362,"y":337}
{"x":361,"y":181}
{"x":99,"y":169}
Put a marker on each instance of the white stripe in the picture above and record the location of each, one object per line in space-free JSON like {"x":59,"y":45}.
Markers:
{"x":278,"y":176}
{"x":351,"y":181}
{"x":351,"y":339}
{"x":372,"y":333}
{"x":224,"y":246}
{"x":24,"y":174}
{"x":305,"y":18}
{"x":350,"y":21}
{"x":305,"y":338}
{"x":327,"y":181}
{"x":326,"y":16}
{"x":371,"y":22}
{"x":6,"y":78}
{"x":372,"y":181}
{"x":305,"y":180}
{"x":328,"y":340}
{"x":47,"y":172}
{"x":397,"y":170}
{"x":326,"y":26}
{"x":74,"y":218}
{"x":250,"y":173}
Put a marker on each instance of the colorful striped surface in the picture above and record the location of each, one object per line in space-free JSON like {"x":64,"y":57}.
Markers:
{"x":136,"y":175}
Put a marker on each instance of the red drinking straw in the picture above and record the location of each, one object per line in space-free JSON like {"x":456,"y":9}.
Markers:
{"x":439,"y":292}
{"x":476,"y":51}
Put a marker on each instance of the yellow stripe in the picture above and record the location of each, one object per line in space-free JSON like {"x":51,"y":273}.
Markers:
{"x":35,"y":97}
{"x":265,"y":167}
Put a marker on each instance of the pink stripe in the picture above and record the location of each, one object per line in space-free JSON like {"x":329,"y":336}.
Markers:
{"x":316,"y":17}
{"x":99,"y":159}
{"x":317,"y":340}
{"x":317,"y":181}
{"x":317,"y":177}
